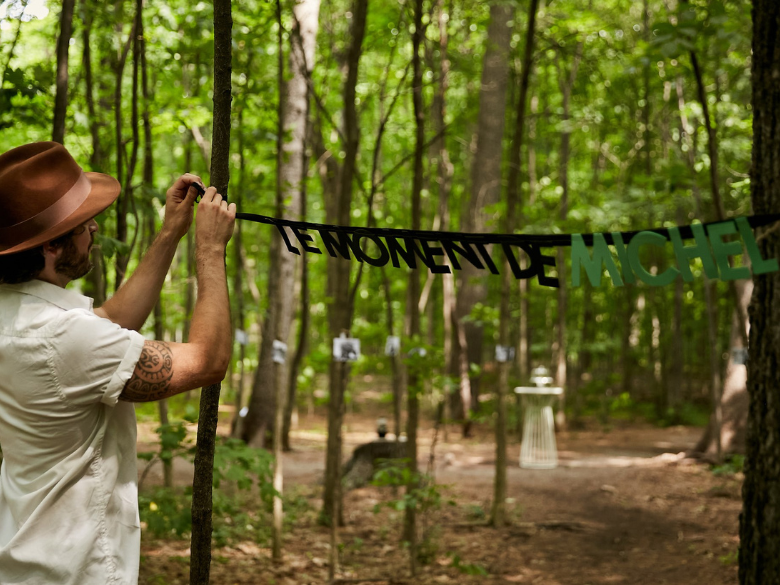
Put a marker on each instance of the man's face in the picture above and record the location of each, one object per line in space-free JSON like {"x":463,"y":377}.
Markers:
{"x":74,"y":260}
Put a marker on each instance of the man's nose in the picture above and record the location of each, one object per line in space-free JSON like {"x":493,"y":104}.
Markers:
{"x":93,"y":226}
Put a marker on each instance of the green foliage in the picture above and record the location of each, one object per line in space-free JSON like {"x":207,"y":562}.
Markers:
{"x":732,"y":465}
{"x":167,"y":512}
{"x":236,"y":462}
{"x":468,"y":568}
{"x":426,"y":497}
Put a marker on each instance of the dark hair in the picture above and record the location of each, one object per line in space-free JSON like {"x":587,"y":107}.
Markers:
{"x":28,"y":264}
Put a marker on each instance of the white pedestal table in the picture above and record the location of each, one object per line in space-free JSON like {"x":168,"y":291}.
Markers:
{"x":538,"y":450}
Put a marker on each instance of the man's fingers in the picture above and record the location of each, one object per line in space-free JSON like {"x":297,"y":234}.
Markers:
{"x":208,"y":196}
{"x":192,"y":193}
{"x":185,"y":180}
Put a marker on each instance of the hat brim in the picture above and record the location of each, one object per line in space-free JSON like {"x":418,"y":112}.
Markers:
{"x":105,"y":190}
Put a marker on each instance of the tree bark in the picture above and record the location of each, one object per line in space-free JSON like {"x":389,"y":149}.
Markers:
{"x":200,"y":559}
{"x":259,"y":423}
{"x":759,"y":525}
{"x":513,"y":221}
{"x":61,"y":95}
{"x":414,"y":382}
{"x":566,"y":83}
{"x":148,"y":182}
{"x":339,"y":312}
{"x":122,"y":200}
{"x":96,"y":285}
{"x":302,"y":51}
{"x":485,"y":192}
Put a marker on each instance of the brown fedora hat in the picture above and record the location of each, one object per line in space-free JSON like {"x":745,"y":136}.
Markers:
{"x":44,"y":194}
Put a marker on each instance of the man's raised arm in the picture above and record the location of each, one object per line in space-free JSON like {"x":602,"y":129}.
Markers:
{"x":134,"y":301}
{"x":165,"y":369}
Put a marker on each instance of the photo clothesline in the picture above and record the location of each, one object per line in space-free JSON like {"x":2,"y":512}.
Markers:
{"x":395,"y":245}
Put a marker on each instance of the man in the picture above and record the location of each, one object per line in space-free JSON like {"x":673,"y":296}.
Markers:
{"x":68,"y":374}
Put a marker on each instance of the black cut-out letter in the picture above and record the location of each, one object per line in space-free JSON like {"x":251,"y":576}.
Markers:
{"x":466,"y":251}
{"x":534,"y":259}
{"x":303,"y":239}
{"x":430,"y":252}
{"x":384,"y":256}
{"x":486,"y":257}
{"x":342,"y":245}
{"x":290,"y":247}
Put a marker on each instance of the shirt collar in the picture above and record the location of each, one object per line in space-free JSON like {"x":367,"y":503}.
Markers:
{"x":56,"y":295}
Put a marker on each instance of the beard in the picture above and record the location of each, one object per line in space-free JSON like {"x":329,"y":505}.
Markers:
{"x":72,"y":263}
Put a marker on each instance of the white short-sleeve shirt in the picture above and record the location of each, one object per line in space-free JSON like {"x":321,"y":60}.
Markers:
{"x":68,"y":482}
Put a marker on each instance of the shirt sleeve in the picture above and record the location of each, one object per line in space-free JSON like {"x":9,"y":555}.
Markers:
{"x":92,"y":358}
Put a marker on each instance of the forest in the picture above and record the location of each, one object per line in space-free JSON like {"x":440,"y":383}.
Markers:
{"x":368,"y":429}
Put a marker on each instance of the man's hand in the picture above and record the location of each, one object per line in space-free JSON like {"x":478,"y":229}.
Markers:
{"x":179,"y":202}
{"x":215,"y":221}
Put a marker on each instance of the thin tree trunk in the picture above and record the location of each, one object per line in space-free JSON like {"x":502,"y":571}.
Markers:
{"x":339,"y":312}
{"x":485,"y":192}
{"x":566,"y":84}
{"x":759,"y":523}
{"x":200,"y":559}
{"x":445,"y":172}
{"x":96,"y":285}
{"x":712,"y":150}
{"x":148,"y":182}
{"x":712,"y":436}
{"x":238,"y":281}
{"x":97,"y":156}
{"x":284,"y":300}
{"x":513,"y":220}
{"x":414,"y":383}
{"x":122,"y":201}
{"x":61,"y":95}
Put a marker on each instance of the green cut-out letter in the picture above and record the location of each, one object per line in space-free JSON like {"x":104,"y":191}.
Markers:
{"x":580,"y":258}
{"x":723,"y":250}
{"x":653,"y":239}
{"x":625,"y":265}
{"x":760,"y":265}
{"x":685,"y":253}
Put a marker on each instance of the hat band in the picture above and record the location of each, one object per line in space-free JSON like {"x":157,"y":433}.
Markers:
{"x":49,"y":217}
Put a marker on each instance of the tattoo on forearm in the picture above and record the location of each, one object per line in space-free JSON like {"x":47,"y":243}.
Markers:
{"x":152,"y":374}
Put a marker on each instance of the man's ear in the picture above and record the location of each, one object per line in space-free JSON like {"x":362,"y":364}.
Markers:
{"x":50,"y":251}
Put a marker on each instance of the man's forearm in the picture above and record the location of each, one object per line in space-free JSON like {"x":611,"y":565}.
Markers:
{"x":134,"y":301}
{"x":211,"y":316}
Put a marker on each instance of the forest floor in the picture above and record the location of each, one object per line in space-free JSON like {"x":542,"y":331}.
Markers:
{"x":623,"y":507}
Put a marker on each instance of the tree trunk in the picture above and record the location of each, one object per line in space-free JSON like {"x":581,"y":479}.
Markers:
{"x":61,"y":96}
{"x":122,"y":200}
{"x":759,"y":523}
{"x":200,"y":559}
{"x":513,"y":221}
{"x":445,"y":172}
{"x":302,"y":51}
{"x":95,"y":283}
{"x":733,"y":400}
{"x":259,"y":423}
{"x":413,"y":378}
{"x":711,"y":439}
{"x":566,"y":83}
{"x":236,"y":425}
{"x":339,"y":311}
{"x":148,"y":182}
{"x":485,"y":192}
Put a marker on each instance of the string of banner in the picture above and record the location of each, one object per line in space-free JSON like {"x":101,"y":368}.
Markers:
{"x":714,"y":243}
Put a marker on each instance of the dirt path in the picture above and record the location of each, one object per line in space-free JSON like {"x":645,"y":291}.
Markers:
{"x":622,"y":507}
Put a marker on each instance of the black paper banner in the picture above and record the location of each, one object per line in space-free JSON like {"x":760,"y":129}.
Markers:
{"x":429,"y":248}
